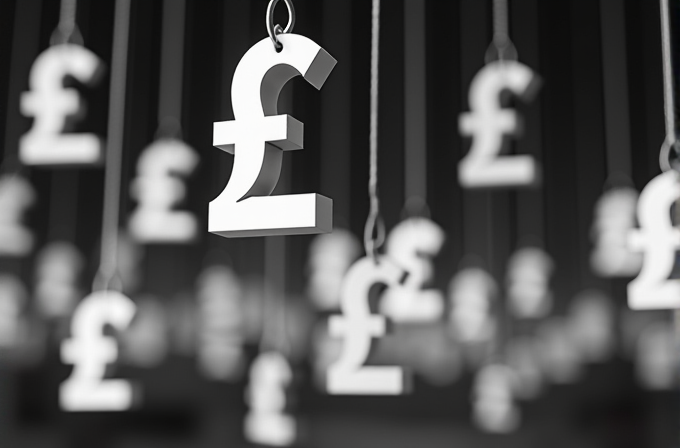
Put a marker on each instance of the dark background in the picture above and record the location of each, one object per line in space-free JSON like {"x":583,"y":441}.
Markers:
{"x":565,"y":130}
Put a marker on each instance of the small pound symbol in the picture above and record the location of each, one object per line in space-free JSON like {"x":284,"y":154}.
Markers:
{"x":490,"y":125}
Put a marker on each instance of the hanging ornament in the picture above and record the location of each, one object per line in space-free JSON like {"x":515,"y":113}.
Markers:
{"x":411,"y":245}
{"x":357,"y":326}
{"x":267,"y":422}
{"x":54,"y":107}
{"x":58,"y":268}
{"x":490,"y":124}
{"x":159,"y":186}
{"x":494,"y":409}
{"x":528,"y":283}
{"x":88,"y":349}
{"x":560,"y":357}
{"x":614,"y":219}
{"x":592,"y":326}
{"x":330,"y":256}
{"x":655,"y":357}
{"x":258,"y":136}
{"x":472,"y":295}
{"x":658,"y":239}
{"x":13,"y":300}
{"x":220,"y":352}
{"x":16,"y":197}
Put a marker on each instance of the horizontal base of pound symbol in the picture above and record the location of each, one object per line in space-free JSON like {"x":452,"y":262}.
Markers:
{"x":61,"y":149}
{"x":299,"y":214}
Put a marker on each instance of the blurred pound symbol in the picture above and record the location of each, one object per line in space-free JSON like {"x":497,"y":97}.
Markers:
{"x":489,"y":124}
{"x":157,"y":188}
{"x":16,"y":195}
{"x":409,"y":244}
{"x":659,"y":241}
{"x":266,"y":423}
{"x":90,"y":351}
{"x":55,"y":107}
{"x":258,"y":137}
{"x":357,"y":326}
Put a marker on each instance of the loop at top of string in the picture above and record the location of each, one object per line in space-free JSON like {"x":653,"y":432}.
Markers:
{"x":374,"y":235}
{"x":669,"y":157}
{"x":274,"y":30}
{"x":67,"y":30}
{"x":501,"y":47}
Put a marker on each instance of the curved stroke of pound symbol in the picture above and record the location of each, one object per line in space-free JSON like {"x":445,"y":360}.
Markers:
{"x":659,"y":240}
{"x":257,"y":138}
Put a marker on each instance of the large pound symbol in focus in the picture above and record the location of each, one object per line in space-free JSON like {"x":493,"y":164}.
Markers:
{"x":412,"y":244}
{"x":158,"y":188}
{"x":659,"y":241}
{"x":258,"y":137}
{"x":357,"y":326}
{"x":55,"y":107}
{"x":90,"y":351}
{"x":490,"y":125}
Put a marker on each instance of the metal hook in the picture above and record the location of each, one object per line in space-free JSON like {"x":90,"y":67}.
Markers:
{"x":274,"y":30}
{"x":374,"y":235}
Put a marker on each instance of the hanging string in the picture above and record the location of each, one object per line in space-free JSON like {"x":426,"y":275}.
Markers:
{"x":108,"y":265}
{"x":668,"y":90}
{"x":172,"y":67}
{"x":374,"y":232}
{"x":501,"y":47}
{"x":67,"y":30}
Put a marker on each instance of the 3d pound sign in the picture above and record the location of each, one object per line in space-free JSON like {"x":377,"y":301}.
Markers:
{"x":489,"y":125}
{"x":357,"y":326}
{"x":659,"y":241}
{"x":90,"y":351}
{"x":258,"y":137}
{"x":54,"y":107}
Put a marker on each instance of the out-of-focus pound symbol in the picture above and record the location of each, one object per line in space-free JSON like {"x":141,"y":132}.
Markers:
{"x":357,"y":326}
{"x":411,"y":245}
{"x":659,"y":240}
{"x":55,"y":107}
{"x":489,"y":125}
{"x":90,"y":351}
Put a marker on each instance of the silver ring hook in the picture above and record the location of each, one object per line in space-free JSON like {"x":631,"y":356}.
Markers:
{"x":274,"y":30}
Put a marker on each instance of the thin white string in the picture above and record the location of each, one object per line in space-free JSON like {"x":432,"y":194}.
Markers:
{"x":114,"y":153}
{"x":500,"y":22}
{"x":371,"y":243}
{"x":669,"y":99}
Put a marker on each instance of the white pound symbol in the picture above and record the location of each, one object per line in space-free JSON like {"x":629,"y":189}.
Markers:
{"x":16,"y":195}
{"x":55,"y":107}
{"x":267,"y":423}
{"x":158,"y":189}
{"x":90,"y":351}
{"x":357,"y":326}
{"x":258,"y":137}
{"x":489,"y":125}
{"x":408,"y":245}
{"x":659,"y":241}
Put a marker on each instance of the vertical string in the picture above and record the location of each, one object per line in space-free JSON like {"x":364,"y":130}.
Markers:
{"x":372,"y":234}
{"x":415,"y":104}
{"x":114,"y":151}
{"x":67,"y":29}
{"x":502,"y":47}
{"x":669,"y":99}
{"x":172,"y":64}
